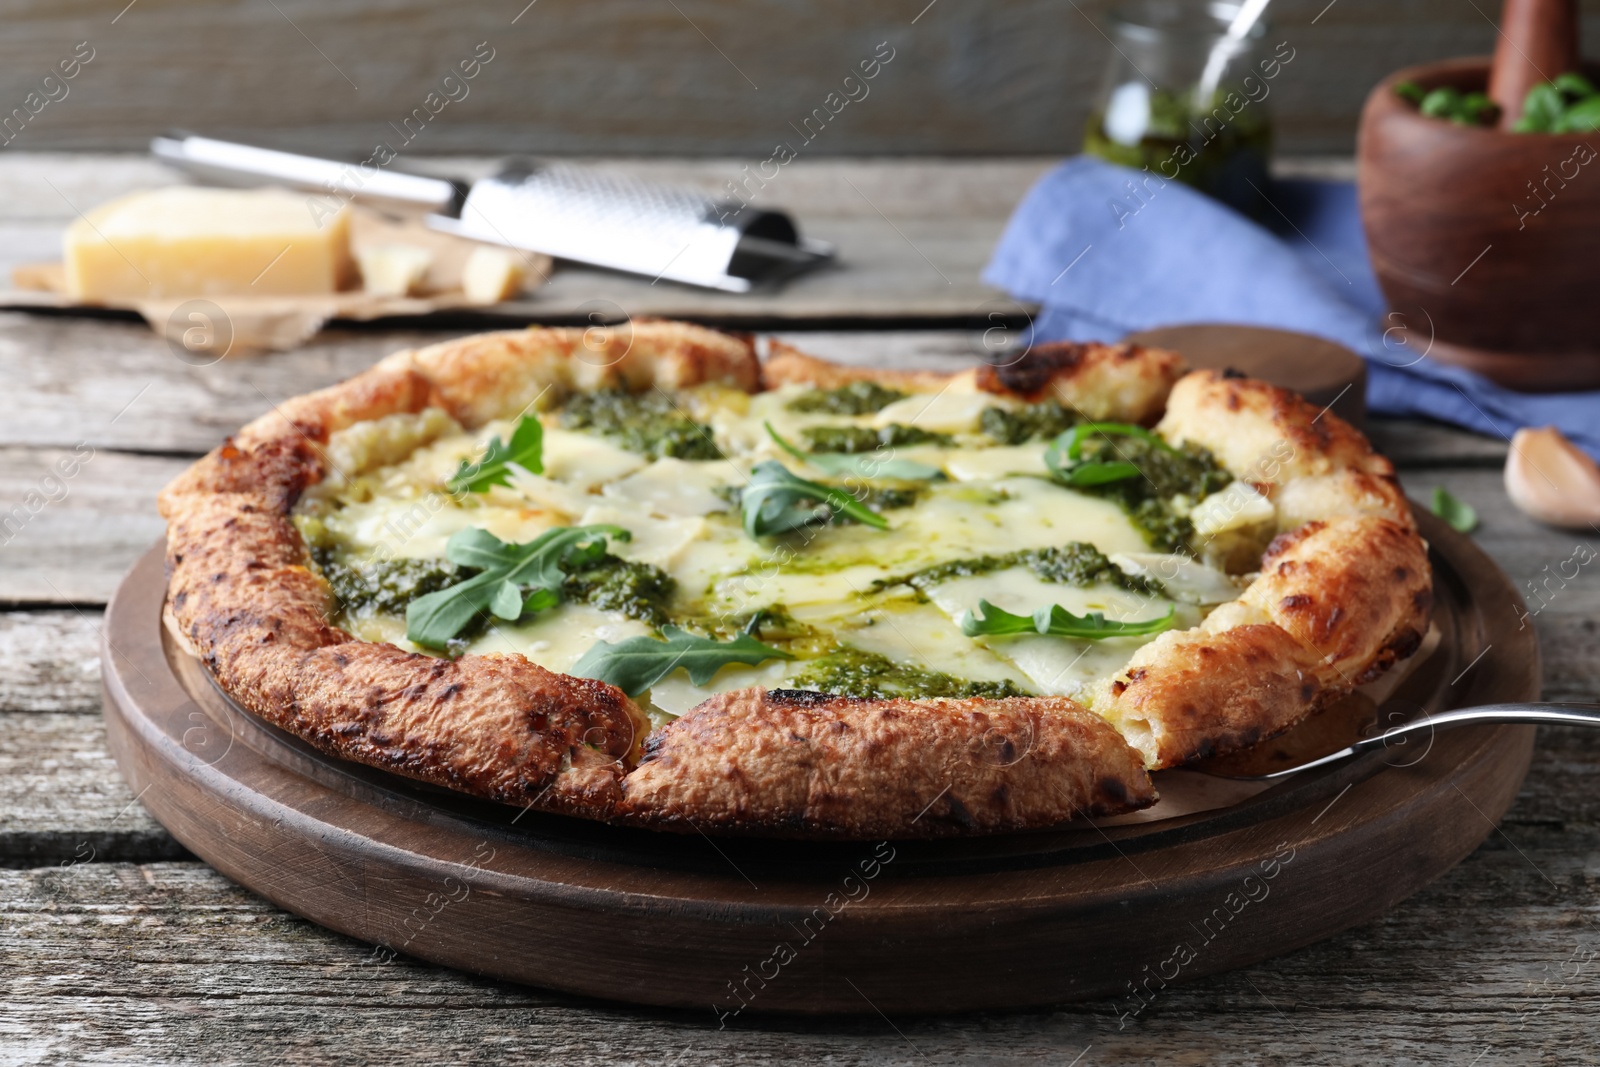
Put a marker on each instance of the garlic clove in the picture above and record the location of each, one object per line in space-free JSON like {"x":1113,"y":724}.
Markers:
{"x":1549,"y":479}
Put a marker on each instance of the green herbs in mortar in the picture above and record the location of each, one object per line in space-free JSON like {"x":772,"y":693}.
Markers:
{"x":1570,"y":103}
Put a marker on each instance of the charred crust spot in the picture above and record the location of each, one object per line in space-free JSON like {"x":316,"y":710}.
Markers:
{"x":801,"y":698}
{"x":1114,"y":790}
{"x":1233,"y":374}
{"x":1404,"y":645}
{"x":1118,"y":687}
{"x":1029,"y":375}
{"x":1294,"y":602}
{"x":1308,"y":689}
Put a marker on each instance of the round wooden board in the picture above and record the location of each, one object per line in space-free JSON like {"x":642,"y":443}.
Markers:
{"x":739,"y":924}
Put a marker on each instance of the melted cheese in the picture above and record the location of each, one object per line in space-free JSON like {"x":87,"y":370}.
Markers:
{"x":839,"y":580}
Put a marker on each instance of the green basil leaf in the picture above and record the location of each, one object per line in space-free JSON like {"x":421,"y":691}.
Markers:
{"x":1410,"y":91}
{"x":777,"y":501}
{"x":1541,"y":109}
{"x":505,"y":570}
{"x":1056,"y":621}
{"x":1441,"y":103}
{"x":1575,"y":85}
{"x":1458,"y":515}
{"x":1582,"y":117}
{"x":860,"y":465}
{"x":638,"y":663}
{"x":525,"y":449}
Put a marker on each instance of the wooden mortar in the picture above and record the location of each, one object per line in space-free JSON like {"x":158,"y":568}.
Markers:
{"x":1487,"y":243}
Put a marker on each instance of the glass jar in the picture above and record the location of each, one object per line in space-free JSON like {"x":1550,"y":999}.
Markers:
{"x":1187,"y":102}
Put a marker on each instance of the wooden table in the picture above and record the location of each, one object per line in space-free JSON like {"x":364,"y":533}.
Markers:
{"x":115,"y":945}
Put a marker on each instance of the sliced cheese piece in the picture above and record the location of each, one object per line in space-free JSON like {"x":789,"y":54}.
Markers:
{"x":187,"y":241}
{"x":557,"y":639}
{"x":491,"y":275}
{"x":393,"y":270}
{"x":1234,"y":508}
{"x":1183,"y":578}
{"x":1055,"y":665}
{"x":418,"y":525}
{"x":955,"y":409}
{"x":676,"y":694}
{"x":582,"y":460}
{"x":676,"y":487}
{"x":922,"y":636}
{"x":546,"y":493}
{"x":655,"y":541}
{"x":988,"y":464}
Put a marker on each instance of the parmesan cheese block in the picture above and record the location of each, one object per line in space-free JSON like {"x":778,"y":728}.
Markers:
{"x":187,"y":241}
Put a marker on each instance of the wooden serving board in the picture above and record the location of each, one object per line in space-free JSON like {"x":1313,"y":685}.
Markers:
{"x":740,"y":925}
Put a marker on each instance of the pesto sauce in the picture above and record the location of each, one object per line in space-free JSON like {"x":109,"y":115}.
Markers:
{"x":862,"y":675}
{"x":855,"y":440}
{"x":638,"y":590}
{"x":1190,"y":472}
{"x":1075,"y":563}
{"x":650,"y":424}
{"x":856,"y":398}
{"x":366,"y":587}
{"x":1046,"y":419}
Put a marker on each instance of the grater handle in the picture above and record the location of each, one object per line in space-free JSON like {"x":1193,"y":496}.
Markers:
{"x":227,"y":163}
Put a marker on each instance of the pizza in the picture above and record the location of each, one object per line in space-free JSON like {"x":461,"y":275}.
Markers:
{"x":643,"y":576}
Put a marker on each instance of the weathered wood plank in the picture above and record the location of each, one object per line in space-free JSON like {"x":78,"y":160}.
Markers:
{"x":62,"y":799}
{"x":1000,"y":77}
{"x":168,"y":962}
{"x":69,"y":537}
{"x":50,"y":661}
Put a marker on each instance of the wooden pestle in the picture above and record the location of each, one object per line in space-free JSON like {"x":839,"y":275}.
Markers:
{"x":1538,"y":40}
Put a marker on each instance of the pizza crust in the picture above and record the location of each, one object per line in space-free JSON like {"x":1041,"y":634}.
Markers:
{"x":1343,"y":592}
{"x":803,"y":764}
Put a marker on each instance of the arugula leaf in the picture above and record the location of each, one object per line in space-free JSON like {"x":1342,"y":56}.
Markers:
{"x":1458,"y":515}
{"x":1056,"y":621}
{"x":776,"y":501}
{"x":526,"y":449}
{"x":638,"y":663}
{"x":860,"y":465}
{"x":505,"y":571}
{"x":1066,"y":461}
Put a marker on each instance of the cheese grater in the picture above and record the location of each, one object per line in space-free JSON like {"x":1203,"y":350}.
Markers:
{"x":561,"y":209}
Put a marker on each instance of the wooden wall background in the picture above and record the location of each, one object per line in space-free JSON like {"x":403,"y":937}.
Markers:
{"x":643,"y":77}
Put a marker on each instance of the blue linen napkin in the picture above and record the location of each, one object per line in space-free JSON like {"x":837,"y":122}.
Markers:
{"x":1106,"y":250}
